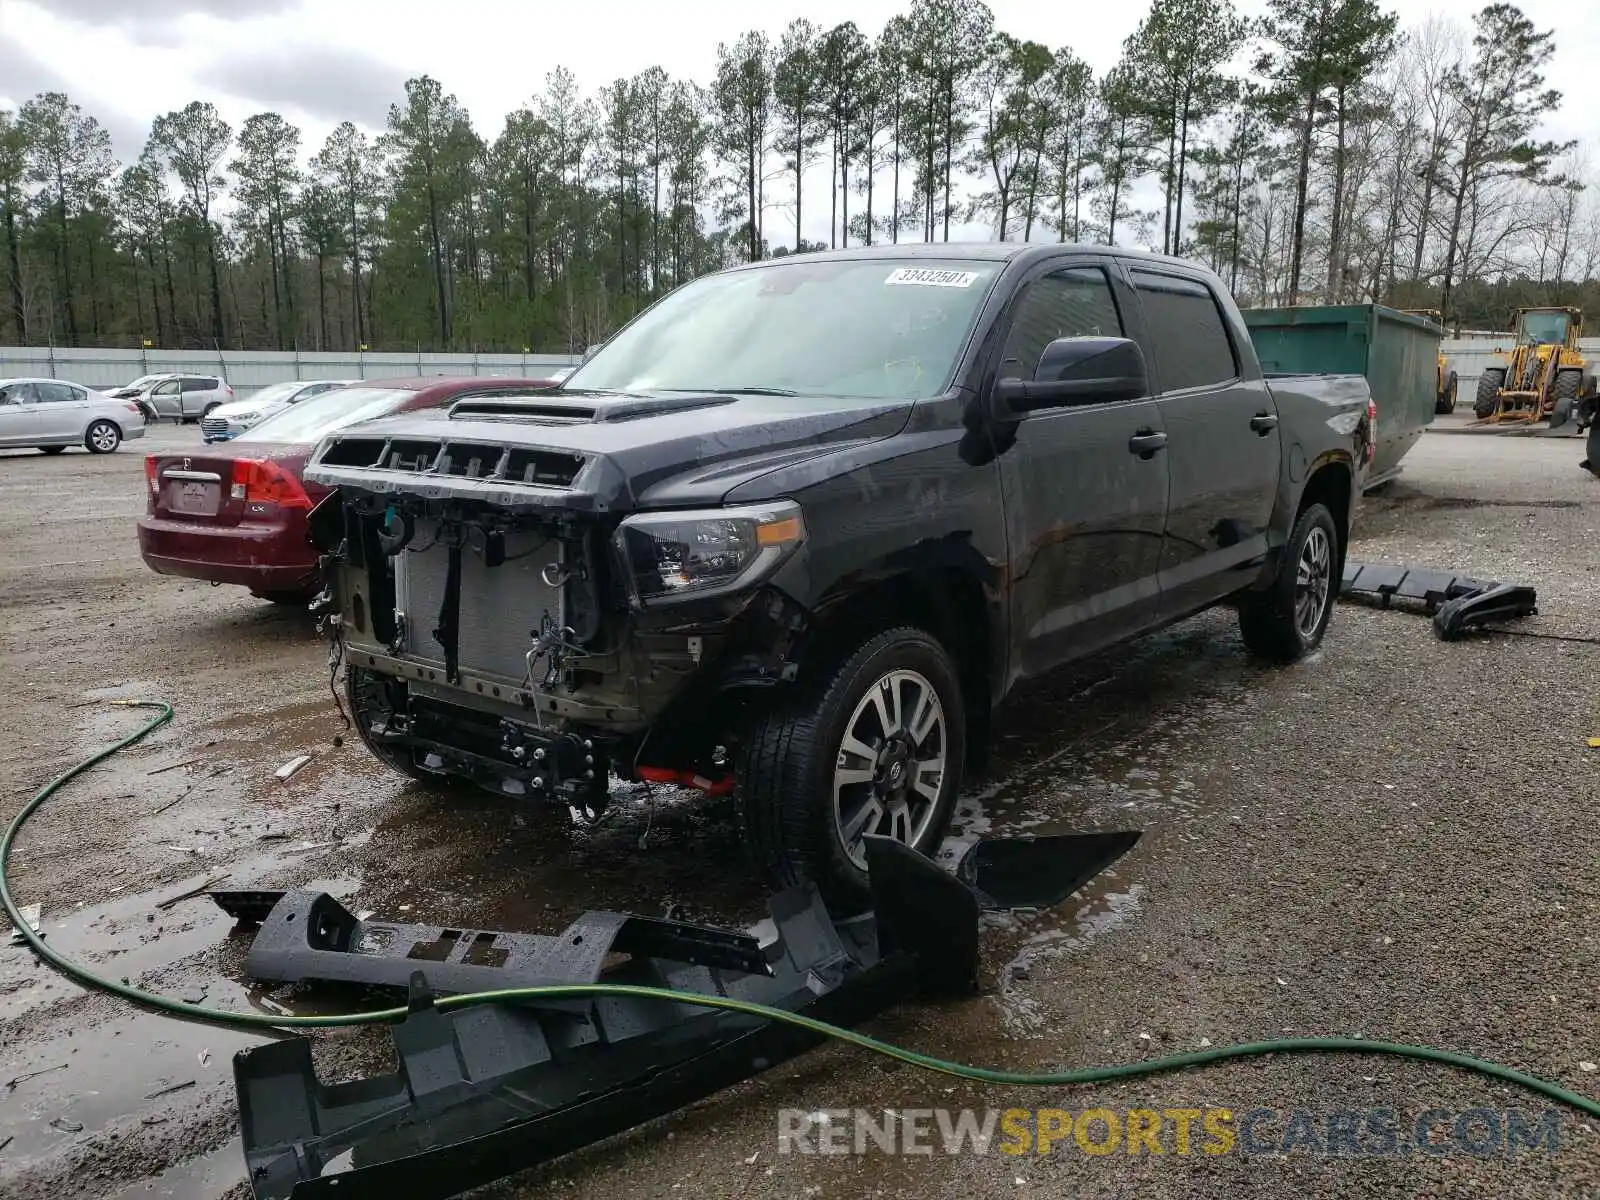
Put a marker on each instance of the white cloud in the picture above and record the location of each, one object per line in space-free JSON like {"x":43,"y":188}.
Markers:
{"x":319,"y":60}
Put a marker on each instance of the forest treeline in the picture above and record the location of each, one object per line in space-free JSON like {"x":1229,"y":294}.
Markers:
{"x":1319,"y":154}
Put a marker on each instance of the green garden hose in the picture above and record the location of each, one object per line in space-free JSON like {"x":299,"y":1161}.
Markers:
{"x":194,"y":1012}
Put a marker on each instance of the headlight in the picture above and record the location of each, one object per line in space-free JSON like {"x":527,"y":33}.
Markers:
{"x":706,"y":552}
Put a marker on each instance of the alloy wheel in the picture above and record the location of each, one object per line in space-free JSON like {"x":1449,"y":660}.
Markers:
{"x":890,"y":764}
{"x":1313,"y":581}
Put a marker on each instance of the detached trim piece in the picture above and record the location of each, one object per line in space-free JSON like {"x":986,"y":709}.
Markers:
{"x":487,"y":1090}
{"x":1458,"y":602}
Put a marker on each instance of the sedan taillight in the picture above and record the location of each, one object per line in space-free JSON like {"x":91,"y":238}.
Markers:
{"x":257,"y":481}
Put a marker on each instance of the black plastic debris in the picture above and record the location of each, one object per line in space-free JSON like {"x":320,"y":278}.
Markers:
{"x":1457,"y":602}
{"x":489,"y":1089}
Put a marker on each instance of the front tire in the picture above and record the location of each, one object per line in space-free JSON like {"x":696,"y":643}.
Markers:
{"x":1564,"y":397}
{"x":1487,"y":400}
{"x":1287,"y":620}
{"x":102,"y":437}
{"x":880,"y":748}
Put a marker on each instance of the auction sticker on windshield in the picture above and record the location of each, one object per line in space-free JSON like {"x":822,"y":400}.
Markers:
{"x":931,"y":278}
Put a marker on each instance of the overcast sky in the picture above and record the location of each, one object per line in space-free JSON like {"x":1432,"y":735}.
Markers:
{"x":320,"y":61}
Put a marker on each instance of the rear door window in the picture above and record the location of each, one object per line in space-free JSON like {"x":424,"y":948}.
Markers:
{"x":1188,"y":338}
{"x":53,"y":393}
{"x":199,"y":383}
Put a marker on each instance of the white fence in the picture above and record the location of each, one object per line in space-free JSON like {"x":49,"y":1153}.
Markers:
{"x":248,"y":370}
{"x":1470,"y":355}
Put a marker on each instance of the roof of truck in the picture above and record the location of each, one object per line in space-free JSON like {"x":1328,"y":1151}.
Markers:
{"x":977,"y":251}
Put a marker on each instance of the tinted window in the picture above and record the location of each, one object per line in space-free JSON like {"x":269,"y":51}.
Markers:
{"x":1076,"y":302}
{"x":1189,"y":342}
{"x":865,"y":329}
{"x":199,"y":384}
{"x":53,"y":393}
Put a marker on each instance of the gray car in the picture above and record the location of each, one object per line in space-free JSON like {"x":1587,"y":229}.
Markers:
{"x":52,"y":414}
{"x":182,"y":397}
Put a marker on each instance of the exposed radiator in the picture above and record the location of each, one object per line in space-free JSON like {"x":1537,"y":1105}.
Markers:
{"x":502,"y":607}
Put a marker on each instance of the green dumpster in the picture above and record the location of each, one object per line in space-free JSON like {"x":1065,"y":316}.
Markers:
{"x":1397,"y":352}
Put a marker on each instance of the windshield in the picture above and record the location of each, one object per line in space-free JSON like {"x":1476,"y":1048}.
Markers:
{"x":1545,"y":328}
{"x":274,"y":392}
{"x":876,"y":329}
{"x":316,"y":417}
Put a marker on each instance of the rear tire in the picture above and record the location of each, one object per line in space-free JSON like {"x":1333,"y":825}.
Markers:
{"x":806,"y":794}
{"x":210,"y":408}
{"x":1447,"y":402}
{"x":102,"y":437}
{"x":52,"y":449}
{"x":1287,"y":620}
{"x":1488,"y":397}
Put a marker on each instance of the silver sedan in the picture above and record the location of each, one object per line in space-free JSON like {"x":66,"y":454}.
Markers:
{"x":52,"y":414}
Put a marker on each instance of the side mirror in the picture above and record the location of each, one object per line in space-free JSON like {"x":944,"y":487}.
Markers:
{"x":591,"y":352}
{"x":1077,"y":370}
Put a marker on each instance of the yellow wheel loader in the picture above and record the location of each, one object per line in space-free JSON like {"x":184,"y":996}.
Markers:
{"x":1445,"y":385}
{"x":1545,"y":375}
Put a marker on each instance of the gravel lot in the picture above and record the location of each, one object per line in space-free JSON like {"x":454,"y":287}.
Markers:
{"x":1393,"y":839}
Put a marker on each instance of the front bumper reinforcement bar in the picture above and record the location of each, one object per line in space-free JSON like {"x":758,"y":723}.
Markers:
{"x":489,"y":1089}
{"x":1457,"y":602}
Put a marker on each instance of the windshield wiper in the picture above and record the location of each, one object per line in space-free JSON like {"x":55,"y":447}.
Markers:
{"x":738,"y":391}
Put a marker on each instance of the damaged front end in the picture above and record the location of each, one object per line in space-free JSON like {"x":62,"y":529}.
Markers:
{"x":506,"y":615}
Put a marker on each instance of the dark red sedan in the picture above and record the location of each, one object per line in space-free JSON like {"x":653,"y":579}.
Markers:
{"x":236,"y":512}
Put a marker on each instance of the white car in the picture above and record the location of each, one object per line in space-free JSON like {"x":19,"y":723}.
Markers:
{"x":52,"y":414}
{"x":230,"y":420}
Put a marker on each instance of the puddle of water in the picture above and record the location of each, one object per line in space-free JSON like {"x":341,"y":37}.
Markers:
{"x":204,"y":1177}
{"x":96,"y":1078}
{"x":130,"y":935}
{"x":1100,"y":908}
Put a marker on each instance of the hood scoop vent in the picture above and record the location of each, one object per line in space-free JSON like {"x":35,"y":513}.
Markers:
{"x":608,"y":409}
{"x":533,"y":412}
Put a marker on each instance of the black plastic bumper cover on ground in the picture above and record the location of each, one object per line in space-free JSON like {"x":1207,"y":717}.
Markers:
{"x":1457,"y":602}
{"x":486,"y":1090}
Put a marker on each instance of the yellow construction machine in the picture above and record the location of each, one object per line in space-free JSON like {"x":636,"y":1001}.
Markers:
{"x":1445,"y":384}
{"x":1545,"y":375}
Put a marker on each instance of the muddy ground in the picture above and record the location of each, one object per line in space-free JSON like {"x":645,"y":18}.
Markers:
{"x":1395,"y":839}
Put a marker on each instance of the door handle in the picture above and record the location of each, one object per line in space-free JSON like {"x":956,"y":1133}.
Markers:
{"x":1264,"y":423}
{"x":1146,"y":442}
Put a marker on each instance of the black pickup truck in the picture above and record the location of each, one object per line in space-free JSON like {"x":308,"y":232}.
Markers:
{"x":798,"y":528}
